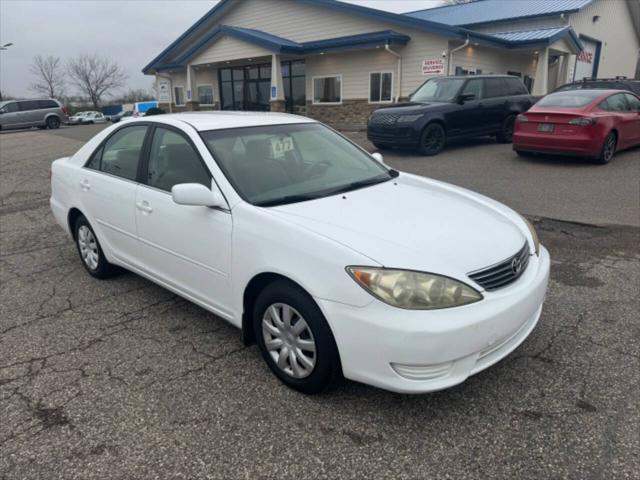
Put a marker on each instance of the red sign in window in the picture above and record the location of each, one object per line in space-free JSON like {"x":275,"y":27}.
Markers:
{"x":586,"y":57}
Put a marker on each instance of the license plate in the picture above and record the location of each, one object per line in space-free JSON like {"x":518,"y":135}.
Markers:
{"x":545,"y":127}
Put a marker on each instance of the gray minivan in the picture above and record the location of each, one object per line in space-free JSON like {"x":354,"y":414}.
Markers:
{"x":41,"y":113}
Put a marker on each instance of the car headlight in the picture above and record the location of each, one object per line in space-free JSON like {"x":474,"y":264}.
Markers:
{"x":534,"y":235}
{"x":413,"y":290}
{"x":409,"y":118}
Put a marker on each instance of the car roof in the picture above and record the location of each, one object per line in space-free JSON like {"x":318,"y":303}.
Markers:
{"x":202,"y":121}
{"x":603,"y":92}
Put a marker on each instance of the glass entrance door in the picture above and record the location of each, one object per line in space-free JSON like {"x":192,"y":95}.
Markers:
{"x":248,"y":87}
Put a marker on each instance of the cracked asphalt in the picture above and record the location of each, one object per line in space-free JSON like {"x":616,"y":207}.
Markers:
{"x":121,"y":379}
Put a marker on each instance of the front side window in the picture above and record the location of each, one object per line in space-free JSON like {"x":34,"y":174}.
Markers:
{"x":205,"y":94}
{"x":327,"y":89}
{"x":279,"y":164}
{"x":473,"y":87}
{"x":438,"y":90}
{"x":178,"y":95}
{"x":380,"y":86}
{"x":9,"y":107}
{"x":173,"y":160}
{"x":121,"y":152}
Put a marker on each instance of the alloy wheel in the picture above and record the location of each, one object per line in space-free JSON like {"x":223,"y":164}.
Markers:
{"x":609,"y":148}
{"x":88,"y":247}
{"x":289,"y":340}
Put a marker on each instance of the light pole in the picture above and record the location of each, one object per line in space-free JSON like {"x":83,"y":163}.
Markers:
{"x":4,"y":47}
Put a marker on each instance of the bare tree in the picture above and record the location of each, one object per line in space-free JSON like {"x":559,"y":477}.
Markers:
{"x":96,"y":76}
{"x":49,"y":73}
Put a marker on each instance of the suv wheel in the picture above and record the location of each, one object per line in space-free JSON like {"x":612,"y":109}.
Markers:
{"x":432,"y":139}
{"x":53,"y":122}
{"x":505,"y":135}
{"x":295,"y":339}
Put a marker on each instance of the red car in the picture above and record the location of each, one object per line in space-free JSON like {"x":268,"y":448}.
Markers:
{"x":585,"y":123}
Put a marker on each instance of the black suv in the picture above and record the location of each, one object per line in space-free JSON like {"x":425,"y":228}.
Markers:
{"x":618,"y":83}
{"x":451,"y":107}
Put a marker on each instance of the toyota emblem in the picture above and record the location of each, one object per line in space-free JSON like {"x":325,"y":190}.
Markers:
{"x":516,"y":266}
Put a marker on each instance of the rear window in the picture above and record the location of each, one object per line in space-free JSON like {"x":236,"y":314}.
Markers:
{"x":572,"y":99}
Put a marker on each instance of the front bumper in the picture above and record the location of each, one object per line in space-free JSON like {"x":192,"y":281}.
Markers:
{"x":410,"y":351}
{"x":402,"y":135}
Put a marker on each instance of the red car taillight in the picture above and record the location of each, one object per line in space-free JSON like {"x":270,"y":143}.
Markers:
{"x":583,"y":121}
{"x":64,"y":110}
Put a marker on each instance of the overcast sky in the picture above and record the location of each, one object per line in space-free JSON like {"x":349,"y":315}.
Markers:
{"x":131,"y":32}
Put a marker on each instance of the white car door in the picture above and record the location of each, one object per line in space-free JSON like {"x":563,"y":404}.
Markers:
{"x":107,"y":189}
{"x":187,"y":247}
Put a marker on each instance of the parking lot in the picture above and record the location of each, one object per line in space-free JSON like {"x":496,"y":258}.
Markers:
{"x":122,"y":379}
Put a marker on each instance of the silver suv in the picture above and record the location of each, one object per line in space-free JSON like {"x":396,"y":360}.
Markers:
{"x":32,"y":113}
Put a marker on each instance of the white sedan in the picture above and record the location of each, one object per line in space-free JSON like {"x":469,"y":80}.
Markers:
{"x":335,"y":264}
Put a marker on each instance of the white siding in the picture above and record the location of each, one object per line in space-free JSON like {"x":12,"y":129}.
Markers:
{"x":615,"y":30}
{"x":493,"y":60}
{"x":226,"y":48}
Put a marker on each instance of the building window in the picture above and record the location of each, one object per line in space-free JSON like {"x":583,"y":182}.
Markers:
{"x":380,"y":87}
{"x":327,"y":89}
{"x":205,"y":94}
{"x":178,"y":95}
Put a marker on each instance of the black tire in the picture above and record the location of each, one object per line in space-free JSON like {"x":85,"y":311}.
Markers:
{"x":53,"y":122}
{"x":505,"y":135}
{"x":432,"y":140}
{"x":608,"y":149}
{"x":327,"y":371}
{"x":103,"y":268}
{"x":522,"y":154}
{"x":381,"y":146}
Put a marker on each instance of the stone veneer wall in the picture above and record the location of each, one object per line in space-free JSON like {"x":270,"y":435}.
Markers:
{"x":350,"y":115}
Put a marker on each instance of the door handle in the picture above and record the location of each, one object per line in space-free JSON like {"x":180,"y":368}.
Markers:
{"x":144,"y":207}
{"x":85,"y":185}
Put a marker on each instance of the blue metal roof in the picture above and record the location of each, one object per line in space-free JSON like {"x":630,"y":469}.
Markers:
{"x":539,"y":37}
{"x":487,"y":11}
{"x":284,"y":45}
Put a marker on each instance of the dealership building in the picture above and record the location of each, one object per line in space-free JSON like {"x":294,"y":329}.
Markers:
{"x":337,"y":61}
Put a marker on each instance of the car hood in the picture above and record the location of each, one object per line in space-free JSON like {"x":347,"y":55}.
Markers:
{"x":414,"y":223}
{"x":410,"y":108}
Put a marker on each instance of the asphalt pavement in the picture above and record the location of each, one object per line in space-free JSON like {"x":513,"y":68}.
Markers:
{"x":121,"y":379}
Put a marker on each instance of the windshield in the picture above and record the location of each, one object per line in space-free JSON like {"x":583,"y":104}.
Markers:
{"x":438,"y":90}
{"x":570,"y":99}
{"x":279,"y":164}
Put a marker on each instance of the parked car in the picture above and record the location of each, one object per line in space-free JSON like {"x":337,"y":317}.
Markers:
{"x":586,"y":123}
{"x":93,"y":117}
{"x":451,"y":107}
{"x":76,"y":118}
{"x":140,"y":108}
{"x":41,"y":113}
{"x":122,"y":115}
{"x":333,"y":262}
{"x":618,"y":83}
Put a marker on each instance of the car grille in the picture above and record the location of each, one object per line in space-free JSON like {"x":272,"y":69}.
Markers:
{"x":503,"y":273}
{"x":384,"y":119}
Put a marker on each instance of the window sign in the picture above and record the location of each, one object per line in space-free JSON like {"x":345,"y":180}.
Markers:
{"x":164,"y":91}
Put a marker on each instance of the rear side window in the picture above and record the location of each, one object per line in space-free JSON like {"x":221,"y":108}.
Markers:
{"x":173,"y":160}
{"x":121,"y":152}
{"x":633,"y":101}
{"x":29,"y":105}
{"x":516,"y":87}
{"x":47,"y":104}
{"x":615,"y":103}
{"x":495,"y":87}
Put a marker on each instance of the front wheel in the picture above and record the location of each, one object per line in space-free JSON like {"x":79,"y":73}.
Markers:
{"x":432,"y":139}
{"x":505,"y":135}
{"x":295,"y":339}
{"x":53,"y":123}
{"x":90,"y":251}
{"x":608,"y":149}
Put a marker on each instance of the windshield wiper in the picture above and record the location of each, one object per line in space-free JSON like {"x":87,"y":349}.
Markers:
{"x":363,"y":183}
{"x":288,"y":199}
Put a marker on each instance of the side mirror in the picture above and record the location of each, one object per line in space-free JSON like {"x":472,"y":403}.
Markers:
{"x":378,"y":157}
{"x":197,"y":195}
{"x":465,"y":97}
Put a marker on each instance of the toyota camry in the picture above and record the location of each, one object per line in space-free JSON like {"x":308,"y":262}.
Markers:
{"x":332,"y":262}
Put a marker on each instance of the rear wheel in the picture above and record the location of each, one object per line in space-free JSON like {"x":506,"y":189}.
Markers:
{"x":91,"y":252}
{"x":295,"y":339}
{"x":53,"y":123}
{"x":505,"y":135}
{"x":432,"y":139}
{"x":608,"y":149}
